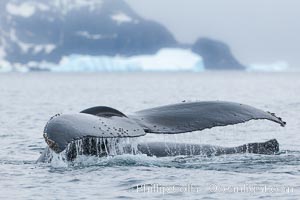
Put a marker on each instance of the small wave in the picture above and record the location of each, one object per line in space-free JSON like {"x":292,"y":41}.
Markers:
{"x":17,"y":162}
{"x":239,"y":163}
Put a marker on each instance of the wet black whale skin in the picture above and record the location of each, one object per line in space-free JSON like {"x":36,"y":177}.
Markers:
{"x":105,"y":122}
{"x":196,"y":116}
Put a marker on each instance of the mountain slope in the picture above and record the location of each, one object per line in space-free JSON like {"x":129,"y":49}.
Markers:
{"x":216,"y":54}
{"x":45,"y":31}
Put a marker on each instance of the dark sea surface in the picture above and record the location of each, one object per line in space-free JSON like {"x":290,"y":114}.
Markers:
{"x":28,"y":100}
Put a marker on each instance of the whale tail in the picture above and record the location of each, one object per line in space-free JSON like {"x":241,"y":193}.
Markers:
{"x":269,"y":147}
{"x":103,"y":122}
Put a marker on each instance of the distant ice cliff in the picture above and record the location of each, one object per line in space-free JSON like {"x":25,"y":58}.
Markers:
{"x":164,"y":60}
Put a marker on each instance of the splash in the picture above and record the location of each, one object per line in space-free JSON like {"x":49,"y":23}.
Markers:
{"x":92,"y":146}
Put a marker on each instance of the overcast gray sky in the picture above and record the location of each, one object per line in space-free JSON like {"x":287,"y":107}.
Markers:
{"x":258,"y":31}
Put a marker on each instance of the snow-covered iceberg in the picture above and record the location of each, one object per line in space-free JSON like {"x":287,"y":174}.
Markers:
{"x":166,"y":59}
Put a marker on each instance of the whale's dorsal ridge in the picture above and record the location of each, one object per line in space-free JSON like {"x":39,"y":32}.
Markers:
{"x":103,"y":111}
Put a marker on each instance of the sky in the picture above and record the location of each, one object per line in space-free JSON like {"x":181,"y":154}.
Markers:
{"x":258,"y":31}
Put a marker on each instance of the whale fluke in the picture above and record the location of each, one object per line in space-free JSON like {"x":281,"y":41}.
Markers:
{"x":269,"y":147}
{"x":105,"y":122}
{"x":197,"y":116}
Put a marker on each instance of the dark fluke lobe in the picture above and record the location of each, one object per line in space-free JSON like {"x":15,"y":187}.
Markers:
{"x":195,"y":116}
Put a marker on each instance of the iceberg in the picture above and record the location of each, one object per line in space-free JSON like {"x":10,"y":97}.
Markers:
{"x":279,"y":66}
{"x":167,"y":59}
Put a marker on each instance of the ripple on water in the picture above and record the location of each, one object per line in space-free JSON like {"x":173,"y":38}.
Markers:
{"x":242,"y":163}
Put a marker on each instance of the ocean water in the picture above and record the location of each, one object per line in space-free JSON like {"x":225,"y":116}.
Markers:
{"x":27,"y":101}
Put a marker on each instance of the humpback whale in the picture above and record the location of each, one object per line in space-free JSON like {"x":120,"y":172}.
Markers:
{"x":98,"y":131}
